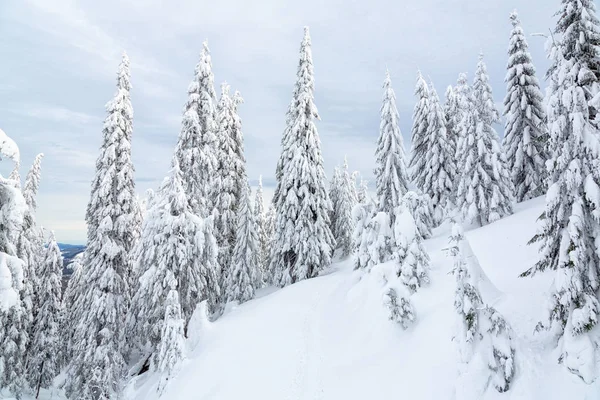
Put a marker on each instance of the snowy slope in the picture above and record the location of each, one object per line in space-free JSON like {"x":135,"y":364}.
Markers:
{"x":329,"y":337}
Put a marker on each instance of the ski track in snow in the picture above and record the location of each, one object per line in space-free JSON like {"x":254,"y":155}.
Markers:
{"x":308,"y":382}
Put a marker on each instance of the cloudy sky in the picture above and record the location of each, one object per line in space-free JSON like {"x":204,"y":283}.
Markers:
{"x":59,"y":58}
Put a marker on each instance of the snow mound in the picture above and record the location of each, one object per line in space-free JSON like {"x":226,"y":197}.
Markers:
{"x":331,"y":337}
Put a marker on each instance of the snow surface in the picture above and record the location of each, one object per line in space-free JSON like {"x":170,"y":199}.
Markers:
{"x":330,"y":337}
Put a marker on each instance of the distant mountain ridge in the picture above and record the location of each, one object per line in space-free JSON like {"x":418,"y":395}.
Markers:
{"x":69,"y":251}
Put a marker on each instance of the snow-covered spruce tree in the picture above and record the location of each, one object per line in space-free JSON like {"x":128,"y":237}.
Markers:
{"x":15,"y":175}
{"x":362,"y":193}
{"x":32,"y":182}
{"x":501,"y":354}
{"x":481,"y":329}
{"x":462,"y":93}
{"x":197,"y":146}
{"x":409,"y":251}
{"x":71,"y":307}
{"x":269,"y":233}
{"x":420,"y":207}
{"x":354,"y":178}
{"x":570,"y":229}
{"x":373,"y":239}
{"x":260,"y":221}
{"x":484,"y":192}
{"x":467,"y":300}
{"x":244,"y":273}
{"x":334,"y":193}
{"x":419,"y":134}
{"x":303,"y":241}
{"x":173,"y":243}
{"x":374,"y":236}
{"x":344,"y":224}
{"x":44,"y":354}
{"x":13,"y":316}
{"x":98,"y":364}
{"x":148,"y":201}
{"x":230,"y":176}
{"x":451,"y":118}
{"x":401,"y":308}
{"x":30,"y":246}
{"x":439,"y":170}
{"x":172,"y":341}
{"x":525,"y":131}
{"x":391,"y":176}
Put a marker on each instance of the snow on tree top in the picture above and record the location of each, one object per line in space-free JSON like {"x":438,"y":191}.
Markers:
{"x":8,"y":147}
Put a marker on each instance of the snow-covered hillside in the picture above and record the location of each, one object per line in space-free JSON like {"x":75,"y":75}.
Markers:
{"x":330,"y":338}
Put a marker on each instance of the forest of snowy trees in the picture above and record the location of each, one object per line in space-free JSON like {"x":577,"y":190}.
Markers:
{"x":203,"y":241}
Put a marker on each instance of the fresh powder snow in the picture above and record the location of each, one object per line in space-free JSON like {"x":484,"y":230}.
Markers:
{"x":331,"y":337}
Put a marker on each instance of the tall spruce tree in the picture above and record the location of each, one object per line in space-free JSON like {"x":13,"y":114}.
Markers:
{"x":269,"y":233}
{"x":98,"y":364}
{"x":375,"y":237}
{"x":72,"y":307}
{"x":525,"y":132}
{"x":44,"y":359}
{"x":570,"y":224}
{"x":303,"y":241}
{"x":260,"y":219}
{"x":32,"y":182}
{"x":451,"y":118}
{"x":355,"y":179}
{"x":391,"y":176}
{"x":245,"y":273}
{"x":462,"y":96}
{"x":334,"y":194}
{"x":14,"y":337}
{"x":197,"y":146}
{"x":435,"y":172}
{"x":345,"y":202}
{"x":29,"y":244}
{"x":230,"y":176}
{"x":484,"y":191}
{"x":420,"y":133}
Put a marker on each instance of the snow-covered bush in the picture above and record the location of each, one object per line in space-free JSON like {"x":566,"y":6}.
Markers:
{"x":501,"y":352}
{"x":171,"y":347}
{"x":420,"y":207}
{"x":481,"y":330}
{"x":400,"y":307}
{"x":409,"y":251}
{"x":373,"y":238}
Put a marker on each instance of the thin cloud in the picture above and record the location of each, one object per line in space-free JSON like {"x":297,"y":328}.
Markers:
{"x":62,"y":55}
{"x":54,"y":114}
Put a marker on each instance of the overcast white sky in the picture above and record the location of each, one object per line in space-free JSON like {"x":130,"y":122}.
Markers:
{"x":59,"y":58}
